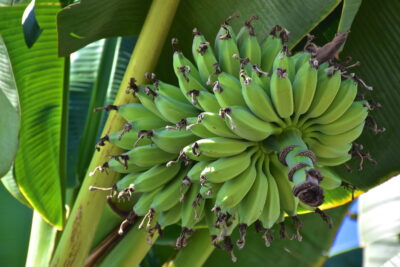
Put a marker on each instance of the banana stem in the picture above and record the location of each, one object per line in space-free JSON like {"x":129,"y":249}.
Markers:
{"x":197,"y":251}
{"x":76,"y":240}
{"x":41,"y":242}
{"x":294,"y":153}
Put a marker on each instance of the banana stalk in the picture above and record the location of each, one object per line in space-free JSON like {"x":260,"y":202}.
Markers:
{"x":295,"y":154}
{"x":197,"y":251}
{"x":77,"y":237}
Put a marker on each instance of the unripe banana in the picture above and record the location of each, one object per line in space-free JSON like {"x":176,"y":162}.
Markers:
{"x":198,"y":129}
{"x":170,"y":91}
{"x":173,"y":110}
{"x":206,"y":100}
{"x":327,"y":87}
{"x":126,"y":139}
{"x":193,"y":155}
{"x":189,"y":84}
{"x":353,"y":117}
{"x":244,"y":124}
{"x":224,"y":169}
{"x":170,"y":216}
{"x":300,"y":59}
{"x":225,"y":49}
{"x":154,"y":177}
{"x":203,"y":55}
{"x":331,"y":179}
{"x":269,"y":50}
{"x":304,"y":85}
{"x":209,"y":190}
{"x":134,"y":112}
{"x":272,"y":208}
{"x":262,"y":79}
{"x":258,"y":100}
{"x":171,"y":193}
{"x":117,"y":166}
{"x":334,"y":161}
{"x":195,"y":171}
{"x":146,"y":96}
{"x":190,"y":214}
{"x":342,"y":102}
{"x":288,"y":201}
{"x":234,"y":190}
{"x":215,"y":124}
{"x":228,"y":91}
{"x":339,"y":139}
{"x":181,"y":63}
{"x":142,"y":206}
{"x":324,"y":151}
{"x":282,"y":61}
{"x":145,"y":156}
{"x":127,"y":181}
{"x":172,"y":140}
{"x":251,"y":207}
{"x":248,"y":43}
{"x":219,"y":147}
{"x":282,"y":93}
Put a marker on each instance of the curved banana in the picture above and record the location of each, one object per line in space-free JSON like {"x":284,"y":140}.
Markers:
{"x":269,"y":50}
{"x":282,"y":93}
{"x":172,"y":140}
{"x":215,"y":124}
{"x":195,"y":171}
{"x":331,"y":180}
{"x":206,"y":100}
{"x":333,"y":161}
{"x":173,"y":110}
{"x":183,"y":65}
{"x":142,"y":206}
{"x":169,"y":217}
{"x":324,"y":151}
{"x":198,"y":129}
{"x":243,"y":123}
{"x":225,"y":49}
{"x":219,"y":147}
{"x":126,"y":139}
{"x":145,"y":156}
{"x":224,"y":169}
{"x":228,"y":91}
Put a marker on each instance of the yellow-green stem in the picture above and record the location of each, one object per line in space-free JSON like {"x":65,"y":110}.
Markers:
{"x":76,"y":240}
{"x":197,"y":251}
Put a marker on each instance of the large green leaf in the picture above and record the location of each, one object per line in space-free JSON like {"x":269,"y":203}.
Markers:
{"x":312,"y":251}
{"x":379,"y":224}
{"x":10,"y":118}
{"x":89,"y":20}
{"x":374,"y":41}
{"x":39,"y":76}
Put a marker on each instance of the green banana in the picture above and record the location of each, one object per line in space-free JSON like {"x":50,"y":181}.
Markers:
{"x":169,"y":90}
{"x":206,"y":100}
{"x":333,"y":161}
{"x":215,"y":124}
{"x":218,"y":147}
{"x":282,"y":93}
{"x":228,"y":91}
{"x":327,"y":87}
{"x":341,"y":103}
{"x":209,"y":190}
{"x":224,"y":169}
{"x":226,"y":49}
{"x":233,"y":191}
{"x":142,"y":206}
{"x":126,"y":139}
{"x":269,"y":50}
{"x":258,"y":100}
{"x":339,"y":139}
{"x":173,"y":110}
{"x":183,"y":65}
{"x":172,"y":140}
{"x":324,"y":151}
{"x":272,"y":208}
{"x":244,"y":124}
{"x":288,"y":201}
{"x":203,"y":55}
{"x":304,"y":86}
{"x":145,"y":156}
{"x":146,"y":96}
{"x":198,"y":129}
{"x":154,"y":177}
{"x":138,"y":114}
{"x":190,"y":213}
{"x":195,"y":171}
{"x":169,"y":217}
{"x":331,"y":179}
{"x":117,"y":166}
{"x":188,"y":152}
{"x":171,"y":193}
{"x":248,"y":43}
{"x":283,"y":61}
{"x":127,"y":181}
{"x":353,"y":117}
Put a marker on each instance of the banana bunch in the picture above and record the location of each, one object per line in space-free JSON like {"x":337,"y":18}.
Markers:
{"x":246,"y":138}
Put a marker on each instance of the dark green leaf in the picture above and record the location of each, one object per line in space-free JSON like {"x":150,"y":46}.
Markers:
{"x":10,"y":120}
{"x":39,"y":76}
{"x":374,"y":41}
{"x":30,"y":25}
{"x":312,"y":251}
{"x":351,"y":258}
{"x":82,"y":23}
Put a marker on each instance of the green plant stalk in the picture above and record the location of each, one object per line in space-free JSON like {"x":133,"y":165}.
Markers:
{"x":41,"y":242}
{"x":131,"y":249}
{"x":81,"y":226}
{"x":197,"y":251}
